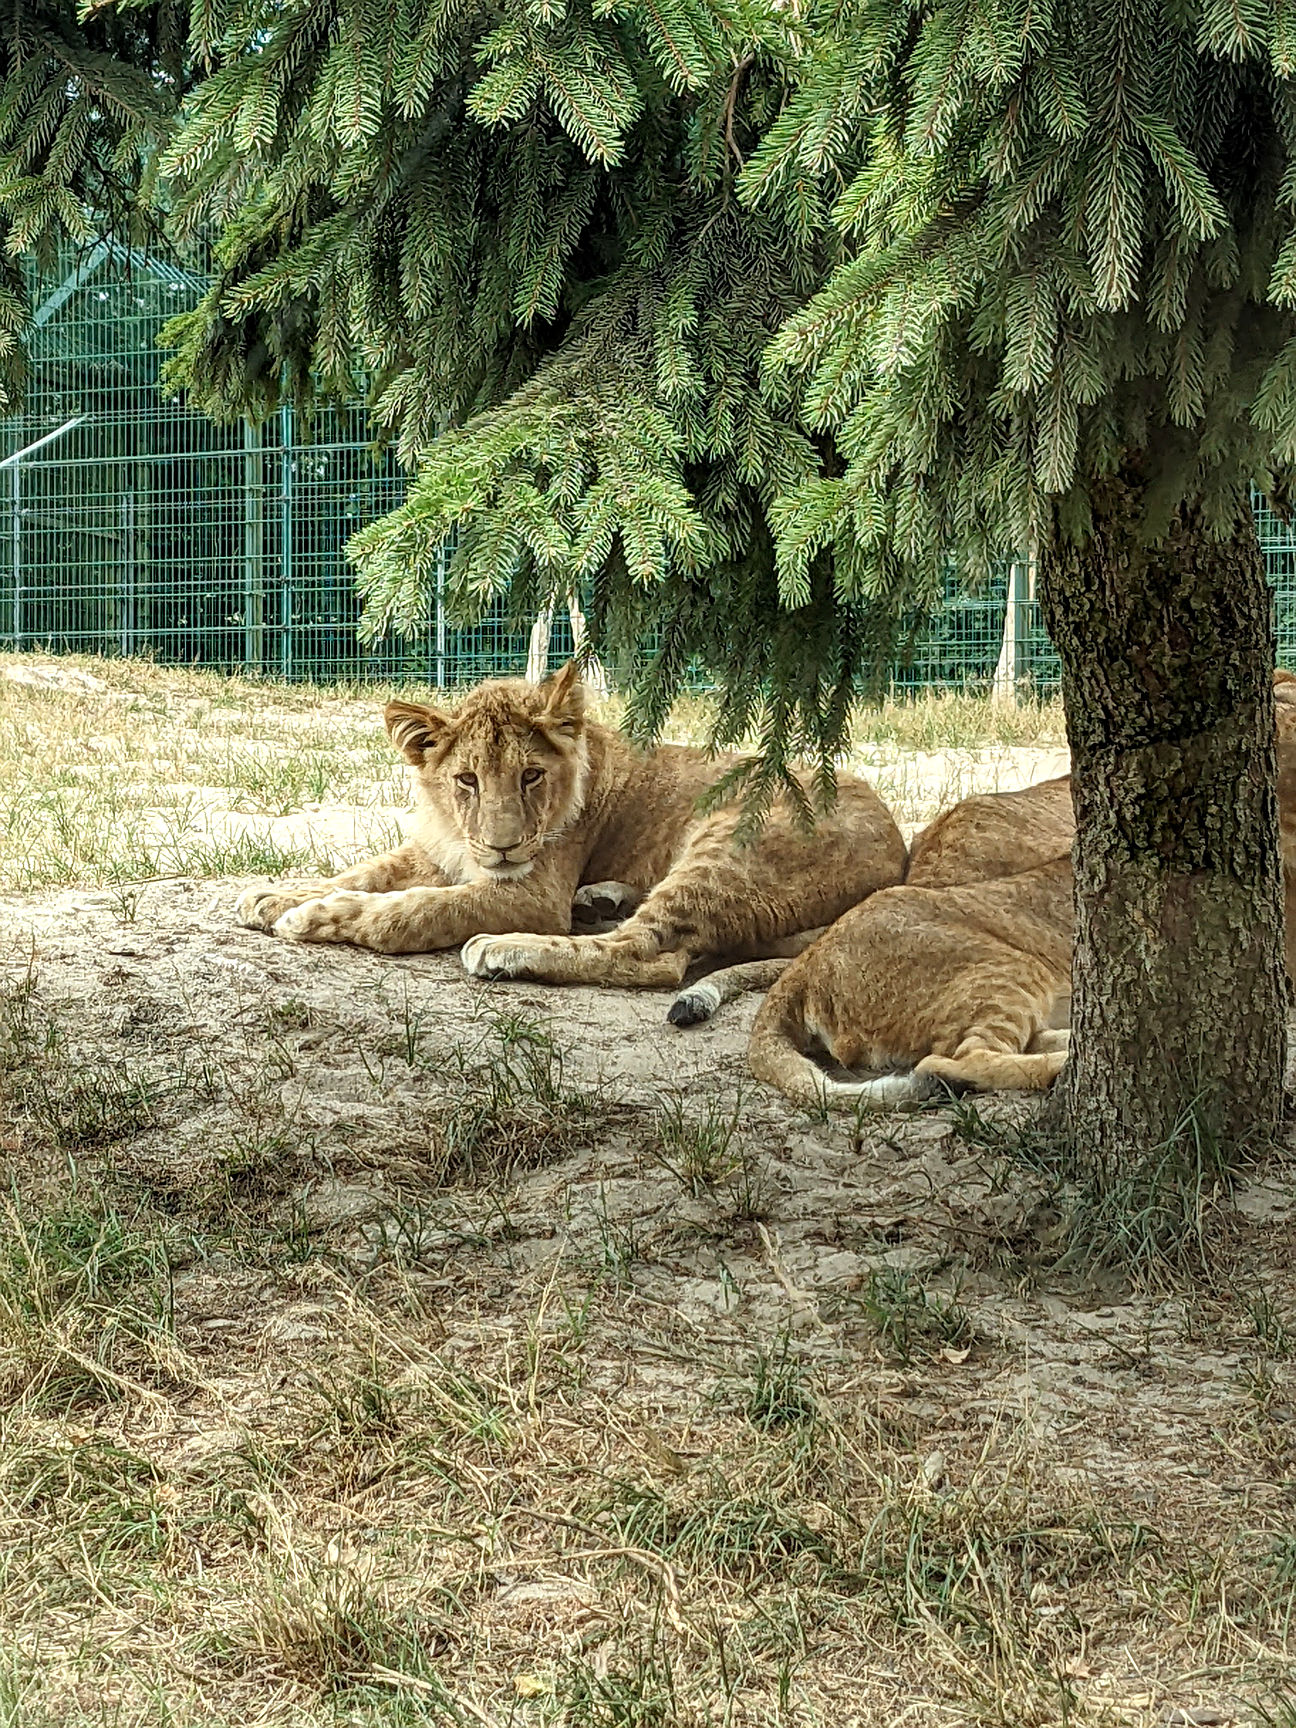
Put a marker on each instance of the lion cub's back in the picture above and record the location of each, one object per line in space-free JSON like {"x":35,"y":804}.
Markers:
{"x":647,"y":803}
{"x":994,"y":834}
{"x":647,"y":809}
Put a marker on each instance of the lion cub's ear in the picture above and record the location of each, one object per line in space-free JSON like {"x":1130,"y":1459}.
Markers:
{"x":413,"y":728}
{"x":564,"y":700}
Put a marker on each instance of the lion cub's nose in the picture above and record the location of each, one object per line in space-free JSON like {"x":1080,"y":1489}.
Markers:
{"x":502,"y":850}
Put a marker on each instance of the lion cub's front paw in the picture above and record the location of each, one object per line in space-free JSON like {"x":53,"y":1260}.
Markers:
{"x":331,"y":918}
{"x":498,"y":956}
{"x":262,"y":908}
{"x":605,"y":902}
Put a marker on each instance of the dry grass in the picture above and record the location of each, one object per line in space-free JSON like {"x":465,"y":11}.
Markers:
{"x":474,"y":1453}
{"x":368,"y":1361}
{"x":148,"y":771}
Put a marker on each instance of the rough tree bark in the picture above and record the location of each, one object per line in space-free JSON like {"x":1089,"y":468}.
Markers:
{"x":1179,"y":1006}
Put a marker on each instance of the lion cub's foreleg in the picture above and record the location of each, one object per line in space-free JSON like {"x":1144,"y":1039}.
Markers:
{"x":262,"y":908}
{"x":423,"y":920}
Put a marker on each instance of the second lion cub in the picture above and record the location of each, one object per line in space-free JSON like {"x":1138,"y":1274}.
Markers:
{"x":960,"y":976}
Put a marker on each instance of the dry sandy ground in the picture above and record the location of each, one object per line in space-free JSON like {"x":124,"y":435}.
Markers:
{"x":975,"y":1491}
{"x":1146,"y":1409}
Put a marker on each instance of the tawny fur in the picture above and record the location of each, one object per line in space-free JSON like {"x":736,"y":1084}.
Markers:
{"x":521,"y":800}
{"x":994,"y":834}
{"x":966,"y":985}
{"x":960,"y":977}
{"x":985,"y":836}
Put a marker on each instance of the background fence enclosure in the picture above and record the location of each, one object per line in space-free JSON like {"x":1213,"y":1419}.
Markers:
{"x":129,"y":525}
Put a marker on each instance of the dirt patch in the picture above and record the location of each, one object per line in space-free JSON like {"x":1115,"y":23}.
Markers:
{"x":515,"y":1355}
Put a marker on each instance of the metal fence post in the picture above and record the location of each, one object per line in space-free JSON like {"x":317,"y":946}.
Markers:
{"x":15,"y":530}
{"x":1016,"y":601}
{"x":286,"y":644}
{"x":253,"y":549}
{"x":441,"y":621}
{"x":13,"y":464}
{"x":127,"y":587}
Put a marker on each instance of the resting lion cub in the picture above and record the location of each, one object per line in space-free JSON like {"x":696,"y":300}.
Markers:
{"x":520,"y":799}
{"x":961,"y":975}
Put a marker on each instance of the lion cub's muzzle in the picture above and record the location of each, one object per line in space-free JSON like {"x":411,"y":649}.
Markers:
{"x":505,"y":861}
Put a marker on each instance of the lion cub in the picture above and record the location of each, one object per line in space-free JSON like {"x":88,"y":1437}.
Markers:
{"x":967,"y":987}
{"x":521,"y":799}
{"x":960,"y":976}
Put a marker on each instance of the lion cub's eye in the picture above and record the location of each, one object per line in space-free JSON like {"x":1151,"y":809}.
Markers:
{"x":532,"y":775}
{"x":467,"y":781}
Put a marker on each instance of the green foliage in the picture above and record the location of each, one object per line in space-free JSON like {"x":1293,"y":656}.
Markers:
{"x":519,"y":226}
{"x":1072,"y":237}
{"x":83,"y":102}
{"x":429,"y":196}
{"x":749,"y":317}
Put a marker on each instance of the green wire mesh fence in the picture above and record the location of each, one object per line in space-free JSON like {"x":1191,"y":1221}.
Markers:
{"x":130,"y":525}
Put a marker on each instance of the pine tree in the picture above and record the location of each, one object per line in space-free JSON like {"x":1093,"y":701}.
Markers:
{"x":518,"y":226}
{"x":1068,"y":320}
{"x":84,"y":102}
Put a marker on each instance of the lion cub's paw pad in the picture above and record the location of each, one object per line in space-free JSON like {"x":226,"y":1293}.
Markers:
{"x":604,"y":902}
{"x":494,"y":956}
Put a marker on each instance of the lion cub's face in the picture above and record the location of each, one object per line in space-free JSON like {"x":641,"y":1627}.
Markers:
{"x":500,"y":775}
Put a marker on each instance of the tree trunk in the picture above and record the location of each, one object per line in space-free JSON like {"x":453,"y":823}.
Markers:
{"x":1178,"y":1013}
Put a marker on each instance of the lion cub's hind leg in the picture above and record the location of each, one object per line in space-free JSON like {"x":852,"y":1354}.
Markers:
{"x":622,"y":952}
{"x":653,"y":948}
{"x":1050,"y":1039}
{"x":614,"y":959}
{"x":703,"y":999}
{"x":1011,"y":1053}
{"x":721,"y":899}
{"x":983,"y":1070}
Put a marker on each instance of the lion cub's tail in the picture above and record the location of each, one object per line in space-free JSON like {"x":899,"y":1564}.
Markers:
{"x":776,"y":1054}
